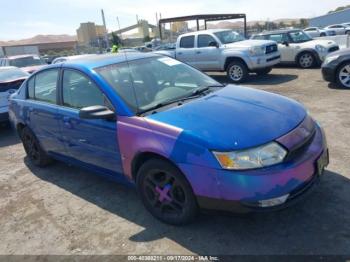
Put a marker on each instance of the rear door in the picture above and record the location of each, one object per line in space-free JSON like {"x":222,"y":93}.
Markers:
{"x":206,"y":56}
{"x":185,"y":51}
{"x":90,"y":141}
{"x":41,"y":106}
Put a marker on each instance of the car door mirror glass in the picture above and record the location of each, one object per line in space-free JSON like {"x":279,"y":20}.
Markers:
{"x":97,"y":112}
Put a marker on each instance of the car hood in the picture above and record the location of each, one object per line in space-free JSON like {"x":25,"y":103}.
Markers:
{"x":249,"y":43}
{"x":341,"y":52}
{"x":234,"y":118}
{"x":313,"y":43}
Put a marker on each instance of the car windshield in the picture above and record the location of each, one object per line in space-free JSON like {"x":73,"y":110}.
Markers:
{"x":229,"y":36}
{"x":10,"y":74}
{"x":26,"y":61}
{"x":299,"y":37}
{"x":145,"y":83}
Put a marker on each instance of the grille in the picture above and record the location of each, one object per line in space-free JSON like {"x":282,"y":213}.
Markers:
{"x":271,"y":49}
{"x":333,"y":49}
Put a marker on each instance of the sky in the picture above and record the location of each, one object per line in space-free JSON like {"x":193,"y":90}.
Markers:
{"x":21,"y":19}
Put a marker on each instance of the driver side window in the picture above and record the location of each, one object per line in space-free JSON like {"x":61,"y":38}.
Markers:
{"x":79,"y":91}
{"x":205,"y":40}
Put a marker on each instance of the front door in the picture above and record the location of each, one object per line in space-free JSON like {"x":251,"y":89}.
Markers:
{"x":207,"y":56}
{"x":93,"y":142}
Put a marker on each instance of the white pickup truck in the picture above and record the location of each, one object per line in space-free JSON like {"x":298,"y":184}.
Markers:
{"x":225,"y":50}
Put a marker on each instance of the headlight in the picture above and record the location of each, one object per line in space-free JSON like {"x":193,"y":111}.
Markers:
{"x":321,"y":48}
{"x":330,"y":59}
{"x":258,"y":157}
{"x":257,"y":50}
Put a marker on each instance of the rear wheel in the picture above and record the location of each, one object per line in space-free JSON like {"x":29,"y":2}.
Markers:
{"x":33,"y":149}
{"x":347,"y":32}
{"x":264,"y":71}
{"x":306,"y":60}
{"x":323,"y":35}
{"x":343,"y":75}
{"x":166,"y":193}
{"x":237,"y":72}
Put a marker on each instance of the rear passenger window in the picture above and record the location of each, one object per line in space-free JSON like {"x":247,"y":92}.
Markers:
{"x":45,"y":86}
{"x":79,"y":91}
{"x":187,"y":42}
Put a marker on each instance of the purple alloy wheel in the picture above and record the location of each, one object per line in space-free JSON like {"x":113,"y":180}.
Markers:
{"x":164,"y":193}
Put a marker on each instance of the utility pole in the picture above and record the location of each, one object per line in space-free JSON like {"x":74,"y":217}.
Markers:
{"x":104,"y":24}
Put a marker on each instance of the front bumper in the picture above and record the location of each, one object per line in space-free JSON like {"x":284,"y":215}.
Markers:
{"x":265,"y":61}
{"x":328,"y":73}
{"x":244,"y":191}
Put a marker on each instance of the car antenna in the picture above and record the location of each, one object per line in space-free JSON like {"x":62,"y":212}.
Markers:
{"x":132,"y":80}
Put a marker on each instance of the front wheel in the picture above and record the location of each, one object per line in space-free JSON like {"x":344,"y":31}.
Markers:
{"x":306,"y":60}
{"x":33,"y":149}
{"x":343,"y":76}
{"x":237,"y":72}
{"x":263,"y":72}
{"x":166,"y":193}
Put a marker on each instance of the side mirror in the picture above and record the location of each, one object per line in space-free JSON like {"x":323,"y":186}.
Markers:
{"x":96,"y":112}
{"x":285,"y":43}
{"x":213,"y":44}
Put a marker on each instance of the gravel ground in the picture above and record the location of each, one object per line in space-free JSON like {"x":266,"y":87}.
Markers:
{"x":66,"y":210}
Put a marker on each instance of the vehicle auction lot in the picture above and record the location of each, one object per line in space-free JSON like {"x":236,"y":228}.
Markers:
{"x":66,"y":210}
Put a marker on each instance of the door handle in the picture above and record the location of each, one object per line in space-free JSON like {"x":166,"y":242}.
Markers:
{"x":67,"y":122}
{"x":179,"y":53}
{"x":198,"y":52}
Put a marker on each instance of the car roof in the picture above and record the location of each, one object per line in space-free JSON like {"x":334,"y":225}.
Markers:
{"x":282,"y":31}
{"x":206,"y":31}
{"x":95,"y":61}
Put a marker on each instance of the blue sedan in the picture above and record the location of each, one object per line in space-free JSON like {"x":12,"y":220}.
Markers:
{"x":184,"y":140}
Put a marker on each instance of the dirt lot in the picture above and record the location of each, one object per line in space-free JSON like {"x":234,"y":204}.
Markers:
{"x":66,"y":210}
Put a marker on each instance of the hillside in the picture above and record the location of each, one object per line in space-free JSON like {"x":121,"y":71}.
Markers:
{"x":40,"y":39}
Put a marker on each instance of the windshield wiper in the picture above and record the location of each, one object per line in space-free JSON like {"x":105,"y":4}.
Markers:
{"x":195,"y":94}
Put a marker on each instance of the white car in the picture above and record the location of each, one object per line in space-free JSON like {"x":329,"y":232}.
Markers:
{"x":298,"y":47}
{"x":11,"y":78}
{"x":340,"y":29}
{"x":225,"y":50}
{"x":319,"y":32}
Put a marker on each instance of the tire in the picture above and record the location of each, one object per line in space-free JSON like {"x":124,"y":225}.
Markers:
{"x":237,"y":72}
{"x":33,"y":149}
{"x":306,"y":60}
{"x":343,"y":76}
{"x":322,"y":35}
{"x":264,"y":71}
{"x":166,"y":193}
{"x":347,"y":32}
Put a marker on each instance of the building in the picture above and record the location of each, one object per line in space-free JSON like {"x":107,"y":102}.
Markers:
{"x":90,"y":34}
{"x":37,"y":48}
{"x":330,"y":19}
{"x":181,"y":27}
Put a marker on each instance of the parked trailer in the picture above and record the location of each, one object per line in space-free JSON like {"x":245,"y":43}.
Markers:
{"x":20,"y":50}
